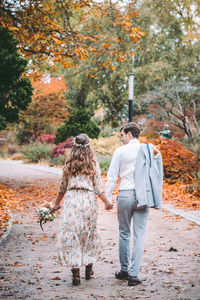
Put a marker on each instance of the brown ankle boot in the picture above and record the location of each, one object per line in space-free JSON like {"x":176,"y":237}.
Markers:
{"x":76,"y":276}
{"x":88,"y":271}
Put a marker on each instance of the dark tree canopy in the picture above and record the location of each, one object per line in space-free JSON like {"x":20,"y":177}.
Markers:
{"x":15,"y":90}
{"x":79,"y":122}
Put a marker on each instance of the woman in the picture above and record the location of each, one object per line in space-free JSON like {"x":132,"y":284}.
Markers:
{"x":78,"y":241}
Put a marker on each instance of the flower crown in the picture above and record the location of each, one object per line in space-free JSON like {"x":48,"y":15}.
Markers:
{"x":81,"y":146}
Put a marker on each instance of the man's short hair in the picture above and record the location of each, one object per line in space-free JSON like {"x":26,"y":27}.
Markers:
{"x":132,"y":127}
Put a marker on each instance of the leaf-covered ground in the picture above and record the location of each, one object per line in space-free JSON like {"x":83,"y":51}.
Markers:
{"x":23,"y":199}
{"x":29,"y":268}
{"x":30,"y":197}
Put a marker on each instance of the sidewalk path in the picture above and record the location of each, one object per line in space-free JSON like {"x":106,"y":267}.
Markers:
{"x":28,"y":267}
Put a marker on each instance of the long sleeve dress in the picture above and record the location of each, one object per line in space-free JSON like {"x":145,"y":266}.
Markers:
{"x":78,"y":241}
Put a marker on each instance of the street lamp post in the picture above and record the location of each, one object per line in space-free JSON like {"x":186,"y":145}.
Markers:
{"x":131,"y":91}
{"x":130,"y":94}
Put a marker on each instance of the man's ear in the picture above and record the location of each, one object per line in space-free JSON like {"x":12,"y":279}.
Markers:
{"x":130,"y":136}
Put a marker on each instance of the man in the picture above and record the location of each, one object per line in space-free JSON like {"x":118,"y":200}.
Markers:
{"x":123,"y":165}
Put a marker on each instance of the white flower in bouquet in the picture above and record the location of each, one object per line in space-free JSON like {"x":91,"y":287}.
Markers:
{"x":45,"y":213}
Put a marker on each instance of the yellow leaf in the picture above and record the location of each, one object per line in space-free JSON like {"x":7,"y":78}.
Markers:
{"x":12,"y":28}
{"x":57,"y":41}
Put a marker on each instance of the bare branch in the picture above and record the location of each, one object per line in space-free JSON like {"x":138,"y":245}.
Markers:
{"x":194,"y":118}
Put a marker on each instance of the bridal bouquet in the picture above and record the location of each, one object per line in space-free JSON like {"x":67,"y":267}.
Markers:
{"x":45,"y":214}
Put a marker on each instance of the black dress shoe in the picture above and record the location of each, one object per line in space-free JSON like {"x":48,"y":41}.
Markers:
{"x":122,"y":275}
{"x":88,"y":271}
{"x":132,"y":281}
{"x":76,"y":276}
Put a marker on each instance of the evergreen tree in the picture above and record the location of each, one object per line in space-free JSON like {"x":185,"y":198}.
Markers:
{"x":79,"y":122}
{"x":15,"y":90}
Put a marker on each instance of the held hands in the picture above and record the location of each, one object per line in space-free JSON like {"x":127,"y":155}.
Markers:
{"x":108,"y":206}
{"x":104,"y":198}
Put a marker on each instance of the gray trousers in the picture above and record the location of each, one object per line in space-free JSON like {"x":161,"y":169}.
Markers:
{"x":126,"y":209}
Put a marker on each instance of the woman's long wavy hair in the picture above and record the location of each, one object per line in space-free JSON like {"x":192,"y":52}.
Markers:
{"x":82,"y":159}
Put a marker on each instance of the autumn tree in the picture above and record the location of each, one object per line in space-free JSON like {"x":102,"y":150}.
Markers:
{"x":46,"y":112}
{"x":101,"y":79}
{"x":177,"y":102}
{"x":15,"y":90}
{"x":50,"y":31}
{"x":68,"y":32}
{"x":170,"y":46}
{"x":167,"y":62}
{"x":107,"y":89}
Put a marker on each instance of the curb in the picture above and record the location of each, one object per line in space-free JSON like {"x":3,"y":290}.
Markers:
{"x":8,"y":228}
{"x":188,"y":215}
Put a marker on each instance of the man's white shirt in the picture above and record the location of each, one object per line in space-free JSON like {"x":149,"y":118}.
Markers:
{"x":123,"y":165}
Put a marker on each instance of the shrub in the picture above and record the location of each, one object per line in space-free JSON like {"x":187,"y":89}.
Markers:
{"x":106,"y":145}
{"x":2,"y":154}
{"x":194,"y":146}
{"x":17,"y":156}
{"x":23,"y":134}
{"x":104,"y":162}
{"x":12,"y":149}
{"x":28,"y":132}
{"x":61,"y":147}
{"x":107,"y":132}
{"x":152,"y":128}
{"x":57,"y":161}
{"x":79,"y":122}
{"x":46,"y":138}
{"x":179,"y":163}
{"x":36,"y":152}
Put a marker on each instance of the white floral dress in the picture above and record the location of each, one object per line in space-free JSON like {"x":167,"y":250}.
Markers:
{"x":78,"y":240}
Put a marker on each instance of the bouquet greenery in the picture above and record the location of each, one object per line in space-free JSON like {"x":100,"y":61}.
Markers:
{"x":45,"y":214}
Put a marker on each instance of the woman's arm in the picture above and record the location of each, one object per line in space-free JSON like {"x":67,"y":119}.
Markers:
{"x":58,"y":199}
{"x":61,"y":191}
{"x":104,"y":198}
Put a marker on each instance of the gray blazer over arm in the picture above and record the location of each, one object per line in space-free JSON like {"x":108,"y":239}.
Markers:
{"x":149,"y":177}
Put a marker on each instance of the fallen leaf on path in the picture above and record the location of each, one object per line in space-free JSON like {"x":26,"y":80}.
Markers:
{"x":17,"y":222}
{"x":171,"y":249}
{"x":56,"y":272}
{"x":56,"y":278}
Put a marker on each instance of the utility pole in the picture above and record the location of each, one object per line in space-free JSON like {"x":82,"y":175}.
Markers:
{"x":131,"y":90}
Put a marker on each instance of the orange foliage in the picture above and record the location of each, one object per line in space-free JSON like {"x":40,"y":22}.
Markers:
{"x":49,"y":100}
{"x":52,"y":31}
{"x":176,"y":194}
{"x":56,"y":85}
{"x":179,"y":163}
{"x":48,"y":106}
{"x":8,"y":202}
{"x":23,"y":199}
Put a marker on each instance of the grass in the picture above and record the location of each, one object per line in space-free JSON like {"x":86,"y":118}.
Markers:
{"x":36,"y":152}
{"x":104,"y":162}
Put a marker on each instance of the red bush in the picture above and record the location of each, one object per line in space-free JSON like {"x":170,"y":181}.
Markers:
{"x":60,"y":148}
{"x":179,"y":163}
{"x":46,"y":138}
